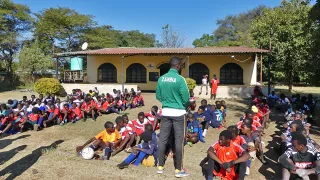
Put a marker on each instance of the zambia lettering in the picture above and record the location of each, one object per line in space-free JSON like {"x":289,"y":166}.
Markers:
{"x":169,"y":79}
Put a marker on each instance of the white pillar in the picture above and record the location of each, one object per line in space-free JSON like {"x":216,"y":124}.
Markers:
{"x":254,"y":71}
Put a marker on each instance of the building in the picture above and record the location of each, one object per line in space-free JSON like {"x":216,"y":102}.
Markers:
{"x":234,"y":66}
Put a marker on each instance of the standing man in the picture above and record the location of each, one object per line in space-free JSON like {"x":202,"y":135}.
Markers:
{"x":214,"y":86}
{"x":204,"y":83}
{"x":172,"y":91}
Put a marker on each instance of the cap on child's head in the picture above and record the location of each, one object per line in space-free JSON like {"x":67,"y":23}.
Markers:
{"x":146,"y":136}
{"x":254,"y":109}
{"x":108,"y":124}
{"x":119,"y":119}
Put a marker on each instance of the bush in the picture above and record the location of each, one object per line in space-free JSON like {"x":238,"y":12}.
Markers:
{"x":191,"y":83}
{"x":48,"y":85}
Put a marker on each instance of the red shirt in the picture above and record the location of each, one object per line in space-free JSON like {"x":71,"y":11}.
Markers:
{"x":105,"y":106}
{"x":77,"y":112}
{"x":34,"y":117}
{"x":56,"y":112}
{"x":227,"y":154}
{"x":87,"y":107}
{"x":254,"y":128}
{"x":135,"y":126}
{"x":152,"y":118}
{"x":239,"y":140}
{"x":214,"y":83}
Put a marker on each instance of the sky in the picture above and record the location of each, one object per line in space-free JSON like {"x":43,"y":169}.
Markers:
{"x":191,"y":18}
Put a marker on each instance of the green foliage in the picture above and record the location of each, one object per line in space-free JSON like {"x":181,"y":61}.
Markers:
{"x":191,"y":83}
{"x":314,"y":63}
{"x":48,"y":85}
{"x":290,"y":40}
{"x":32,"y":59}
{"x":63,"y":25}
{"x":15,"y":19}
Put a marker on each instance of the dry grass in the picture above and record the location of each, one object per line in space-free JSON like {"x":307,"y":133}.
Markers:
{"x":50,"y":154}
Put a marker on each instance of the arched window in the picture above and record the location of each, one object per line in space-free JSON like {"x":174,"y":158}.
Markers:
{"x":136,"y":73}
{"x":197,"y":70}
{"x":107,"y":72}
{"x":231,"y":73}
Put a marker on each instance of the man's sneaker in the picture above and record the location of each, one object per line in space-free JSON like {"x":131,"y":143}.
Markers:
{"x":247,"y":171}
{"x":160,"y":169}
{"x":181,"y":174}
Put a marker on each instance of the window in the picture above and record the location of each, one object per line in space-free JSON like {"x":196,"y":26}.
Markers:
{"x":107,"y":72}
{"x":153,"y":76}
{"x":136,"y":73}
{"x":231,"y":73}
{"x":197,"y":70}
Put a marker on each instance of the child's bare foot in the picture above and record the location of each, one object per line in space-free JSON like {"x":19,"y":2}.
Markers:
{"x":45,"y":124}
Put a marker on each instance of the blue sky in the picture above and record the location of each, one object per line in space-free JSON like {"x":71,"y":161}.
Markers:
{"x":191,"y":18}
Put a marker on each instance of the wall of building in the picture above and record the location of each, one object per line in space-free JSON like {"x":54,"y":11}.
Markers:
{"x":213,"y":62}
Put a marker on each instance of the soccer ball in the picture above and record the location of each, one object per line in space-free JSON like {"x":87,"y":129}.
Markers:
{"x":148,"y":162}
{"x":87,"y":153}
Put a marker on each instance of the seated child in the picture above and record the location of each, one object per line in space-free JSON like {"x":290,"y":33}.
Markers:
{"x":68,"y":115}
{"x":224,"y":155}
{"x":236,"y":137}
{"x":133,"y":101}
{"x":140,"y":151}
{"x":194,"y":130}
{"x":216,"y":119}
{"x":272,"y":99}
{"x":192,"y":102}
{"x":54,"y":116}
{"x":88,"y":109}
{"x":139,"y":99}
{"x":224,"y":107}
{"x":77,"y":111}
{"x":154,"y":117}
{"x":121,"y":127}
{"x":301,"y":161}
{"x":136,"y":127}
{"x":7,"y":122}
{"x":32,"y":119}
{"x":256,"y":142}
{"x":107,"y":140}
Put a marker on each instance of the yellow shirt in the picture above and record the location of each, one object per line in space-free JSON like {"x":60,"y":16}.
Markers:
{"x":105,"y":137}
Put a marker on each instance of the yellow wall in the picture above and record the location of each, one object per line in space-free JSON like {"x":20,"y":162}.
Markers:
{"x":213,"y":62}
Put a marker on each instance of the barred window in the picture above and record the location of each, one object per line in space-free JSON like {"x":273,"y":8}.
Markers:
{"x":136,"y":73}
{"x":197,"y":71}
{"x":107,"y":72}
{"x":231,"y":73}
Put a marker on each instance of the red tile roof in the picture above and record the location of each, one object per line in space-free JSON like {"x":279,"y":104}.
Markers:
{"x":164,"y":51}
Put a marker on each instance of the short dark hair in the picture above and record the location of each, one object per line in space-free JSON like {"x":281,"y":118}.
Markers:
{"x":233,"y":129}
{"x":227,"y":134}
{"x":203,"y":100}
{"x":248,"y":121}
{"x":141,"y":114}
{"x":155,"y":108}
{"x":108,"y":124}
{"x":148,"y":127}
{"x":175,"y":61}
{"x":202,"y":108}
{"x":248,"y":125}
{"x":119,"y":119}
{"x":299,"y":138}
{"x":146,"y":136}
{"x":123,"y":116}
{"x":35,"y":110}
{"x":190,"y":115}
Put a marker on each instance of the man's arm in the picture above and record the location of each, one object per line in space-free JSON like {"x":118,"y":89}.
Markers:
{"x":158,"y":91}
{"x":184,"y":92}
{"x":243,"y":158}
{"x":285,"y":162}
{"x":213,"y":155}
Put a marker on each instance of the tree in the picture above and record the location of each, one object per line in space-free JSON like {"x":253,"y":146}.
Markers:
{"x":32,"y":59}
{"x":171,"y":38}
{"x":233,"y":30}
{"x":136,"y":38}
{"x":61,"y":25}
{"x":291,"y":37}
{"x":15,"y":20}
{"x":100,"y":37}
{"x":314,"y":63}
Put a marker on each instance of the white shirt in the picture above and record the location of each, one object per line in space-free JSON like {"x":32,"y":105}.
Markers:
{"x":204,"y":81}
{"x":173,"y":112}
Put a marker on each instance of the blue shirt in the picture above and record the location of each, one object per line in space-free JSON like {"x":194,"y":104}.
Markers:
{"x":193,"y":127}
{"x":203,"y":115}
{"x":217,"y":115}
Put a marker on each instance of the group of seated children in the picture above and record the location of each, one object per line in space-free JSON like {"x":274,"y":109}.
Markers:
{"x":37,"y":113}
{"x":136,"y":137}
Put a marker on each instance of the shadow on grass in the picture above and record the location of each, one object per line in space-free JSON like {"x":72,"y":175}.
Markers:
{"x":7,"y":155}
{"x":20,"y":166}
{"x":6,"y":142}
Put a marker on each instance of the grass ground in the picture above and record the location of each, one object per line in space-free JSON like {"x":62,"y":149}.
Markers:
{"x":50,"y":153}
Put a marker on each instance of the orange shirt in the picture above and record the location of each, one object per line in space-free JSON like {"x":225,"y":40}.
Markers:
{"x":105,"y":137}
{"x":227,"y":154}
{"x":214,"y":83}
{"x":239,"y":140}
{"x":34,"y":117}
{"x":105,"y":106}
